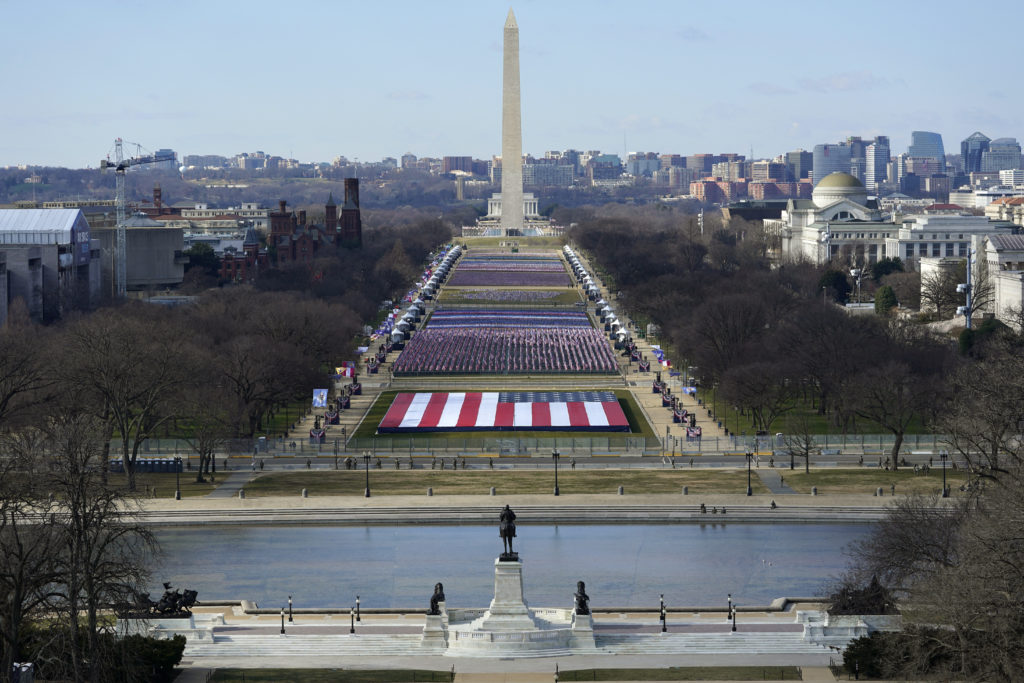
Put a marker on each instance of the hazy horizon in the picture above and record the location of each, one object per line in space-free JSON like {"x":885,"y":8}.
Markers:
{"x":313,"y":80}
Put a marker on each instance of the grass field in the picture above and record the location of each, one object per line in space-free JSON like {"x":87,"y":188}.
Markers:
{"x":327,"y":676}
{"x":695,"y":673}
{"x":830,"y":481}
{"x":702,"y":673}
{"x":462,"y":295}
{"x":638,"y":425}
{"x":161,"y":485}
{"x":389,"y":482}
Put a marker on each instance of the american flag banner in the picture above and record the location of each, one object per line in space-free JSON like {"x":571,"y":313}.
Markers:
{"x":506,"y":410}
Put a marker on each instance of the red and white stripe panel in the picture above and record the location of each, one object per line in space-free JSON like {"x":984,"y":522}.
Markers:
{"x":483,"y":410}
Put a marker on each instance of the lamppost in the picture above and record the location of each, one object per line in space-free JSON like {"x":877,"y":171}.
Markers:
{"x":282,"y":621}
{"x":734,"y":618}
{"x":352,"y":620}
{"x":945,"y":491}
{"x":750,"y":456}
{"x":357,"y":609}
{"x":177,"y":477}
{"x":366,"y":459}
{"x":728,"y":612}
{"x":555,"y":455}
{"x":335,"y":454}
{"x":664,"y":628}
{"x":290,"y":620}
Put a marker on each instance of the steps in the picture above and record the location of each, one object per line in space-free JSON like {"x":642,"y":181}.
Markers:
{"x":334,"y":645}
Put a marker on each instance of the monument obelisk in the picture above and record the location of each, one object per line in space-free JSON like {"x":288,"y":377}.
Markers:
{"x":511,"y":134}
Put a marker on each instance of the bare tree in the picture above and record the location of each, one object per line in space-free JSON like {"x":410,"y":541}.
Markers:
{"x":799,"y":441}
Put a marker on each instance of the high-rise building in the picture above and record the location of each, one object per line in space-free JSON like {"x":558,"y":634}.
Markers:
{"x":1003,"y":154}
{"x":971,"y":150}
{"x":926,"y":144}
{"x":830,"y":158}
{"x":800,"y":163}
{"x":877,"y":162}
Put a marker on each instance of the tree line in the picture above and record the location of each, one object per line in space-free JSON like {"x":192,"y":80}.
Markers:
{"x":769,"y":338}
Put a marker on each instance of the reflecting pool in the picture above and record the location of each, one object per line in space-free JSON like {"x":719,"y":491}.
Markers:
{"x":623,"y":565}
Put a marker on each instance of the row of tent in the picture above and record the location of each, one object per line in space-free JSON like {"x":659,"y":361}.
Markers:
{"x":403,"y":329}
{"x":617,"y":331}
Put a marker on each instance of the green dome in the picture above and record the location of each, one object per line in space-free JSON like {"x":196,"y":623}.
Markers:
{"x":839,"y":179}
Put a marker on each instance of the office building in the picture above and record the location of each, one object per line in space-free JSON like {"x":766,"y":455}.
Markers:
{"x":927,"y":144}
{"x":876,"y":157}
{"x":971,"y":150}
{"x":800,"y":163}
{"x":1002,"y":154}
{"x":829,"y":159}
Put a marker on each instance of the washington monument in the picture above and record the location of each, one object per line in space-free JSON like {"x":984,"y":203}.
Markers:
{"x":511,"y":134}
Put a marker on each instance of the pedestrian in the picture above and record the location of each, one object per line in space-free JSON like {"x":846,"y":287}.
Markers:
{"x":572,"y":463}
{"x":892,"y":489}
{"x":490,"y":463}
{"x":782,"y":480}
{"x":261,"y":465}
{"x":773,"y":504}
{"x":225,"y":464}
{"x":253,"y":465}
{"x":309,"y":463}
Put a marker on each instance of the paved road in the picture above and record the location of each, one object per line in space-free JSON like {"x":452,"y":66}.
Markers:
{"x":774,"y":482}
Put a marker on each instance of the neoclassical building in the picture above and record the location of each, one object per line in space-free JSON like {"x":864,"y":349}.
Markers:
{"x":841,"y":224}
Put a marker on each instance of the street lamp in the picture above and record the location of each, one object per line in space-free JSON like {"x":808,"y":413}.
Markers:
{"x":357,"y":609}
{"x":282,"y":621}
{"x":177,"y":477}
{"x":335,"y":454}
{"x":663,"y":620}
{"x":750,"y":490}
{"x":728,"y":612}
{"x":945,"y":491}
{"x":366,"y":459}
{"x":352,"y":620}
{"x":290,"y":620}
{"x":734,"y":618}
{"x":555,"y":455}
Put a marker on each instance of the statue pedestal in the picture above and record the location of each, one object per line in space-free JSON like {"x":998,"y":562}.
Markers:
{"x":434,"y":632}
{"x":508,"y":611}
{"x":582,"y":631}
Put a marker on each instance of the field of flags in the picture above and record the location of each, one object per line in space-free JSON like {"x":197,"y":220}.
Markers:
{"x":506,"y":410}
{"x":510,"y":270}
{"x":505,"y":350}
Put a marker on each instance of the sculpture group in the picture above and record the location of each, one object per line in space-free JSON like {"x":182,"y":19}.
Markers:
{"x":173,"y":603}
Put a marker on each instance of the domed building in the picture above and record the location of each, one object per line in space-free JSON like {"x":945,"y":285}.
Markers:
{"x":838,"y":220}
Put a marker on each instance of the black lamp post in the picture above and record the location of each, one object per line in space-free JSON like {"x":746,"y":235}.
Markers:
{"x":366,"y":459}
{"x":357,"y":609}
{"x":352,"y":620}
{"x":290,"y":620}
{"x":335,"y":454}
{"x":177,"y":477}
{"x":734,"y":618}
{"x":555,"y":455}
{"x":728,"y":612}
{"x":282,"y":621}
{"x":664,"y":621}
{"x":945,"y":491}
{"x":750,"y":490}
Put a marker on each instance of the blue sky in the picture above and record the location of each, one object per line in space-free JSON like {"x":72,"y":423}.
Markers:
{"x":317,"y":79}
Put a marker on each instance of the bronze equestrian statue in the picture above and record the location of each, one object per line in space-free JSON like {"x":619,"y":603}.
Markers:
{"x":507,"y":531}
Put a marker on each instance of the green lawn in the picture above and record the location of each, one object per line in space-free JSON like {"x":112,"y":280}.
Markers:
{"x":327,"y":676}
{"x":867,"y":480}
{"x":390,"y":482}
{"x":161,"y":485}
{"x":701,"y":673}
{"x":788,"y":421}
{"x":638,"y":426}
{"x":691,"y":673}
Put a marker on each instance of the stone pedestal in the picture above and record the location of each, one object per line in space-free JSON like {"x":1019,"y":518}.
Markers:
{"x":582,"y":631}
{"x":508,"y":611}
{"x":434,"y":631}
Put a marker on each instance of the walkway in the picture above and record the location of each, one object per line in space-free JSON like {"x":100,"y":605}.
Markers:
{"x":234,"y":483}
{"x":774,"y":481}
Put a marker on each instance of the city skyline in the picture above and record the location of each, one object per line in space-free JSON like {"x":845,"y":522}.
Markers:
{"x":368,"y":82}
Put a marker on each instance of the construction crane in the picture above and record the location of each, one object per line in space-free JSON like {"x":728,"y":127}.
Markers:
{"x":121,"y":166}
